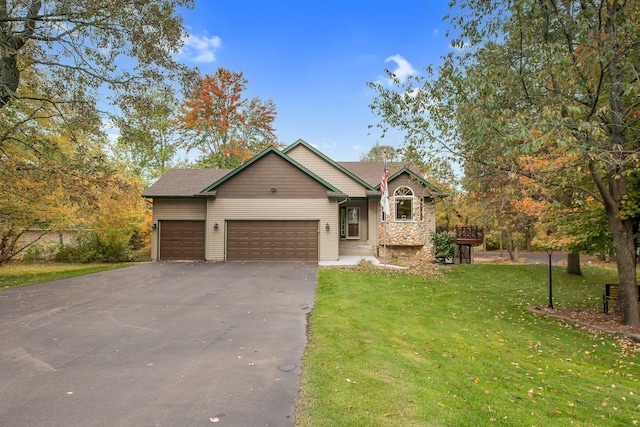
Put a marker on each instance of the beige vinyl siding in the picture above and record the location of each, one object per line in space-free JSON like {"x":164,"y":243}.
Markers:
{"x":175,"y":209}
{"x":374,"y":220}
{"x":322,"y":210}
{"x":179,"y":209}
{"x":327,"y":171}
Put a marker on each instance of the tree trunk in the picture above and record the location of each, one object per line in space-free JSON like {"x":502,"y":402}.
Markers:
{"x":509,"y":249}
{"x":627,"y":304}
{"x":573,"y":263}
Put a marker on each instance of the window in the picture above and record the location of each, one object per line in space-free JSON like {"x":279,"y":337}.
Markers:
{"x":403,"y":199}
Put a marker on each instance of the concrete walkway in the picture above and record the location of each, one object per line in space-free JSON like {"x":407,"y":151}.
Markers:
{"x":350,"y":260}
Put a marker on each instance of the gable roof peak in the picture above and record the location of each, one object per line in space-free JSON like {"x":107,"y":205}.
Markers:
{"x":260,"y":155}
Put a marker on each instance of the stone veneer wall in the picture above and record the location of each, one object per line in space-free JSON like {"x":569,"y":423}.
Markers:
{"x":408,"y":239}
{"x":412,"y":252}
{"x":405,"y":233}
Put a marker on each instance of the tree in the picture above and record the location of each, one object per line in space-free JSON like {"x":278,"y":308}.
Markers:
{"x":149,"y":134}
{"x":47,"y":173}
{"x":119,"y":215}
{"x":82,"y":42}
{"x":226,"y":128}
{"x":58,"y":59}
{"x":548,"y":79}
{"x":376,"y":152}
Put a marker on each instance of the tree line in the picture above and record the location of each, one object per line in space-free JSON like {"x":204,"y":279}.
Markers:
{"x":62,"y":84}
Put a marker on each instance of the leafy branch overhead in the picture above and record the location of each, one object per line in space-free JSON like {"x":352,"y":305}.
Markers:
{"x":81,"y":42}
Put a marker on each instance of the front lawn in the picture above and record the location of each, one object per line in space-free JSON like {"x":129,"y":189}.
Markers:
{"x":16,"y":274}
{"x":391,"y":349}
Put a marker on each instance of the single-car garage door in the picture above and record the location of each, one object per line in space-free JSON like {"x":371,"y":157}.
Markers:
{"x":272,"y":240}
{"x":182,"y":240}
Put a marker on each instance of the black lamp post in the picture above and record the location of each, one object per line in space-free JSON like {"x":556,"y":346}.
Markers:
{"x":550,"y":251}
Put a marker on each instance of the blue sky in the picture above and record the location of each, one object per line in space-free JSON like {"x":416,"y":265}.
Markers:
{"x":314,"y":58}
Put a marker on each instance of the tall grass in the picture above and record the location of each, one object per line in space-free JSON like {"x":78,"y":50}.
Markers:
{"x":392,"y":349}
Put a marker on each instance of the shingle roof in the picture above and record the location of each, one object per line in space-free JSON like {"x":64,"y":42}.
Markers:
{"x":184,"y":182}
{"x":371,"y":172}
{"x":190,"y":182}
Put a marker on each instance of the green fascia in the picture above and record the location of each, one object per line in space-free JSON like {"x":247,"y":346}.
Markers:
{"x":258,"y":157}
{"x":338,"y":197}
{"x":330,"y":161}
{"x":418,"y":177}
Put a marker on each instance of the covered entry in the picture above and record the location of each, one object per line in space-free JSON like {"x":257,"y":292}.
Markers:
{"x":181,"y":240}
{"x":272,"y":240}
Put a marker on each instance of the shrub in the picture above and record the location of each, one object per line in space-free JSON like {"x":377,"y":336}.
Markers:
{"x":444,"y":245}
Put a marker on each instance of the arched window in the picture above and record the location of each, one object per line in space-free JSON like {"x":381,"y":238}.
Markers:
{"x":403,"y":199}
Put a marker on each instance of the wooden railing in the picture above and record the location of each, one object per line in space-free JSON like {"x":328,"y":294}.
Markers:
{"x":469,"y":235}
{"x":465,"y":234}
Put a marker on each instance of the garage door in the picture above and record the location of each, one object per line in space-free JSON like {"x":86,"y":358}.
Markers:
{"x":272,"y":240}
{"x":182,"y":240}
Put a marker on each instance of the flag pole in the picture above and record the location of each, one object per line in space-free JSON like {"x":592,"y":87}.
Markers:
{"x":384,"y":226}
{"x":384,"y":204}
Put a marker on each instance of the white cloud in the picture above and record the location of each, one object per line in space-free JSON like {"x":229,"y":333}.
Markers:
{"x":465,"y":45}
{"x":201,"y":49}
{"x":404,"y":68}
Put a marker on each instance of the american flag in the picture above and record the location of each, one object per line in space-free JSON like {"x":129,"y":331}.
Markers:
{"x":384,"y":201}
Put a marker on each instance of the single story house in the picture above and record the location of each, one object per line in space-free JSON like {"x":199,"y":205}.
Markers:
{"x":290,"y":204}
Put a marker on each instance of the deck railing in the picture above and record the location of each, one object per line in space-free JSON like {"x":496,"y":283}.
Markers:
{"x":465,"y":234}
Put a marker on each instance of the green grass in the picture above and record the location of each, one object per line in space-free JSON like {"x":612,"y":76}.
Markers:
{"x":392,"y":349}
{"x":17,"y":274}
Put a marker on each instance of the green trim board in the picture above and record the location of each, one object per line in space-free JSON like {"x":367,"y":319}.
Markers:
{"x":421,"y":180}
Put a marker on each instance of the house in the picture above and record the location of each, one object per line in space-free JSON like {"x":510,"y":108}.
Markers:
{"x":290,"y":204}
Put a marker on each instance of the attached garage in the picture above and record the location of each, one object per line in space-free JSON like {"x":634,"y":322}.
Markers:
{"x":182,"y":240}
{"x":272,"y":240}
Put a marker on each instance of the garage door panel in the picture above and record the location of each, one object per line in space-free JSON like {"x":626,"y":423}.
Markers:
{"x":272,"y":240}
{"x":182,"y":240}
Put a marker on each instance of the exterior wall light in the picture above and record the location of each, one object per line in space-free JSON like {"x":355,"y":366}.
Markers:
{"x":327,"y":227}
{"x":154,"y":227}
{"x":215,"y":226}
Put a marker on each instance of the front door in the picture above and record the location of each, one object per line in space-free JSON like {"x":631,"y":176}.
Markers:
{"x":353,"y":223}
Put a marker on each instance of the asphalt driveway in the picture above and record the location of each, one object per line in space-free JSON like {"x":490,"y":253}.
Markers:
{"x":158,"y":344}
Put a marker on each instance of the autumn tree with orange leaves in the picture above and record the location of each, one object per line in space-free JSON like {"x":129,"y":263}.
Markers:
{"x":222,"y":125}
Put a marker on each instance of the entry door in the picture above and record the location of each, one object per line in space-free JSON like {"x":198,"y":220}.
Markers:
{"x":353,"y":223}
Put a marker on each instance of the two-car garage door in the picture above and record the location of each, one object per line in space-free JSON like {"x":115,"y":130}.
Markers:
{"x":272,"y":240}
